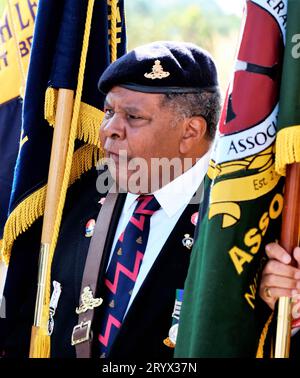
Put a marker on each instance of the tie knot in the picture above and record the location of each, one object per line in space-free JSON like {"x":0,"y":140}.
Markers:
{"x":147,"y":205}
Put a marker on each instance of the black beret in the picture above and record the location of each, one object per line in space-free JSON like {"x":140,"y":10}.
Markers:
{"x":162,"y":67}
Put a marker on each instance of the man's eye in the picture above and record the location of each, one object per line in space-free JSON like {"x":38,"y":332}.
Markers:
{"x":108,"y":113}
{"x":130,"y":116}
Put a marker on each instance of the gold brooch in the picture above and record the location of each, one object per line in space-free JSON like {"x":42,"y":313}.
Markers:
{"x":88,"y":302}
{"x":157,"y":72}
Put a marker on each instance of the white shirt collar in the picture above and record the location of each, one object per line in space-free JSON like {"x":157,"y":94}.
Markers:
{"x":178,"y":192}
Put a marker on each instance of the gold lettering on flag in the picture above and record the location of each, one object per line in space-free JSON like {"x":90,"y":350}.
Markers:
{"x":16,"y":31}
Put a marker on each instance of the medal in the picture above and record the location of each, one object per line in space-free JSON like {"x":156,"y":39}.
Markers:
{"x":170,"y":341}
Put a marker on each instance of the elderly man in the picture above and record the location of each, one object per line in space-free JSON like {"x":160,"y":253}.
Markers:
{"x":113,"y":294}
{"x":162,"y":101}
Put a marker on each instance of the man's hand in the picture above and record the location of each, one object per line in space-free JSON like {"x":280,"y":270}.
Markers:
{"x":279,"y":279}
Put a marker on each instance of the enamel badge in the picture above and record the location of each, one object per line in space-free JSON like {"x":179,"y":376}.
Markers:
{"x":89,"y":228}
{"x":194,"y":218}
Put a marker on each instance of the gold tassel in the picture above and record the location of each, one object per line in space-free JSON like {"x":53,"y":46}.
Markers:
{"x":262,"y":339}
{"x":287,"y":148}
{"x":41,"y":347}
{"x":50,"y":105}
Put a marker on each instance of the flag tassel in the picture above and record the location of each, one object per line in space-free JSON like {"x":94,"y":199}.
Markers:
{"x":287,"y":148}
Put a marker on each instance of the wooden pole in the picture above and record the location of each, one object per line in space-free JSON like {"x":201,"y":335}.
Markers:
{"x":55,"y":179}
{"x":289,"y":239}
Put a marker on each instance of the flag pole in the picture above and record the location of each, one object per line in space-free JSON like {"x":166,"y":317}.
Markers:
{"x":289,"y":239}
{"x":54,"y":185}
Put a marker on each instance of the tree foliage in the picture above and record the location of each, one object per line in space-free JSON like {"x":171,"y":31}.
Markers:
{"x":198,"y":21}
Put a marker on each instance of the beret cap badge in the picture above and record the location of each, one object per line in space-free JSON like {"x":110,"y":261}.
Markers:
{"x":157,"y":72}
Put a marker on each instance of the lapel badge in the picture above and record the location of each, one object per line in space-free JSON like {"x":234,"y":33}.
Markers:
{"x":88,"y":302}
{"x":89,"y":228}
{"x":188,"y":241}
{"x":194,"y":218}
{"x":157,"y":72}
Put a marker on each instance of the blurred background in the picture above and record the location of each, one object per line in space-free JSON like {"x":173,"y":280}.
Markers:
{"x":212,"y":24}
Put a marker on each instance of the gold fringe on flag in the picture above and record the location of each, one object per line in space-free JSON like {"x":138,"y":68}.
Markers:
{"x":20,"y":219}
{"x":90,"y":117}
{"x":29,"y":210}
{"x":287,"y":148}
{"x":262,"y":339}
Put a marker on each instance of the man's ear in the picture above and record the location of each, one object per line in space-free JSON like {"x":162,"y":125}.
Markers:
{"x":194,"y":134}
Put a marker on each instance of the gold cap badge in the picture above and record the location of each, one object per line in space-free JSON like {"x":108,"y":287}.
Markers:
{"x":157,"y":72}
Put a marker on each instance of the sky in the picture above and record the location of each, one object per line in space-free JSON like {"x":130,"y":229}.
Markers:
{"x":232,"y":6}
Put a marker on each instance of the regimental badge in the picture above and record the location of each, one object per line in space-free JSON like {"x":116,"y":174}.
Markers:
{"x":89,"y":228}
{"x":188,"y":241}
{"x":88,"y":302}
{"x":170,"y":341}
{"x":157,"y":72}
{"x":194,"y":218}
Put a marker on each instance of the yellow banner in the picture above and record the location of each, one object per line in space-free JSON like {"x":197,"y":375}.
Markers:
{"x":16,"y":31}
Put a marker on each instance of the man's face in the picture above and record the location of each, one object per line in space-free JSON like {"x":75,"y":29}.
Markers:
{"x":137,"y":125}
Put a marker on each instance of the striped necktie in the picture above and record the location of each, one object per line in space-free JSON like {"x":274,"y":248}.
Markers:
{"x":123,"y":270}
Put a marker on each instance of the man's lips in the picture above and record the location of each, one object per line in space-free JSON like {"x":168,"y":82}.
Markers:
{"x":116,"y":157}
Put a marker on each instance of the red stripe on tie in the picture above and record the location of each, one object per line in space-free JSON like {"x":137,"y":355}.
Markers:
{"x":110,"y":322}
{"x":122,"y":269}
{"x":141,"y":209}
{"x":139,"y":223}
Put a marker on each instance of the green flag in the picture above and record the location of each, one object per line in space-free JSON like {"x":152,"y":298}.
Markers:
{"x":244,"y":201}
{"x":288,"y":135}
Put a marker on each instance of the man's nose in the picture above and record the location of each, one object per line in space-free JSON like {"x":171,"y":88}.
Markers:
{"x":114,"y":128}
